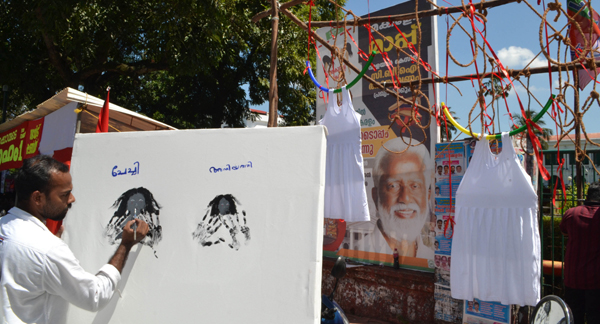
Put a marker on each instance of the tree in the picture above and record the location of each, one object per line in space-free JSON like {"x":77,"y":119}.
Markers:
{"x":186,"y":63}
{"x":544,"y":135}
{"x":451,"y":128}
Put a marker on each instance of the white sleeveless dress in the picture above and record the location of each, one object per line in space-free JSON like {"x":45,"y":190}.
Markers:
{"x":496,"y":243}
{"x":345,"y":191}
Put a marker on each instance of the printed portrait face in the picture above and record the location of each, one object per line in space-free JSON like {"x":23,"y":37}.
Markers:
{"x":437,"y":261}
{"x":223,"y":224}
{"x":440,"y":169}
{"x":459,"y":169}
{"x":402,"y":195}
{"x":224,"y":206}
{"x":445,"y":169}
{"x":136,"y":203}
{"x":439,"y":224}
{"x":140,"y":203}
{"x":403,"y":191}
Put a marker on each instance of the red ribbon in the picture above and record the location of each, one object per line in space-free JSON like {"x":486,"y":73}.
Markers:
{"x":385,"y":57}
{"x":310,"y":4}
{"x":361,"y":53}
{"x":451,"y":222}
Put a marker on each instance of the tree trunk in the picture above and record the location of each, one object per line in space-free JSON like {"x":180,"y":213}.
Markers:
{"x":273,"y":96}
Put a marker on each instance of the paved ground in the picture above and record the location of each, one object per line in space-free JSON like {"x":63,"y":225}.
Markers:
{"x":362,"y":320}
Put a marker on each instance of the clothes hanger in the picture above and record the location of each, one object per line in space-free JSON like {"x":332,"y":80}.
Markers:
{"x":349,"y":85}
{"x":497,"y":136}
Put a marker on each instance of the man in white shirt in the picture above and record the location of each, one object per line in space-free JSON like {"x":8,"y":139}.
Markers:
{"x":402,"y":196}
{"x":40,"y":275}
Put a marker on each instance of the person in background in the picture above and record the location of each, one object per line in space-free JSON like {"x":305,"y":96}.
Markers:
{"x":40,"y":274}
{"x":582,"y":259}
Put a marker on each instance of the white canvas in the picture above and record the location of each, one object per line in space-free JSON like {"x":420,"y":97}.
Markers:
{"x":274,"y":277}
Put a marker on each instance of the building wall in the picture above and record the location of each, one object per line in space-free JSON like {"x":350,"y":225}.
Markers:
{"x":397,"y":296}
{"x":383,"y":293}
{"x":568,"y":168}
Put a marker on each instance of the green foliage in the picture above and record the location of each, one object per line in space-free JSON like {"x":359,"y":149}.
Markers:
{"x":568,"y":200}
{"x":451,"y":128}
{"x":544,"y":135}
{"x":187,"y":63}
{"x":563,"y":203}
{"x":552,"y":238}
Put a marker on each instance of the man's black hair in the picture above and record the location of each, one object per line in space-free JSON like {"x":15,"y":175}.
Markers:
{"x":593,"y":192}
{"x":214,"y":204}
{"x":36,"y":175}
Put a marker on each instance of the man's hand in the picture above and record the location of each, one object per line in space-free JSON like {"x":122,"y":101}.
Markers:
{"x":127,"y":242}
{"x":140,"y":232}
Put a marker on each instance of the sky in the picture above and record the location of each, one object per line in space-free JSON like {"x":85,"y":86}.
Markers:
{"x":513,"y":33}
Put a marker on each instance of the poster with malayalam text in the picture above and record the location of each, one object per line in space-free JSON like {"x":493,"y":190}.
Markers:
{"x":388,"y":126}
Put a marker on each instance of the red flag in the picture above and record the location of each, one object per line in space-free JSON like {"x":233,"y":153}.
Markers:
{"x":578,"y":40}
{"x":102,"y":126}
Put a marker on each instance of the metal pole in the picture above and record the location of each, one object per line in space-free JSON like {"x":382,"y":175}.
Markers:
{"x":5,"y":90}
{"x":578,"y":153}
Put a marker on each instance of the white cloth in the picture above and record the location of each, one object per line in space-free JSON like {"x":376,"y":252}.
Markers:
{"x":496,"y":243}
{"x":41,"y":276}
{"x":345,"y":191}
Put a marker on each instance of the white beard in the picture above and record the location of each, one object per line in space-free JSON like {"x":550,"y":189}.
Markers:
{"x":402,"y":229}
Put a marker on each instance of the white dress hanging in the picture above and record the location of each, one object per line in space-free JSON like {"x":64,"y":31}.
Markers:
{"x":496,"y":243}
{"x":345,"y":191}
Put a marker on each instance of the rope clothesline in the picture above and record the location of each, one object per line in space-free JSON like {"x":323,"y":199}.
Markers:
{"x":567,"y":117}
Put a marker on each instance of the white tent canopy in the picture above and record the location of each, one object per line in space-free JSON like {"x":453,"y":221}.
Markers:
{"x":93,"y":104}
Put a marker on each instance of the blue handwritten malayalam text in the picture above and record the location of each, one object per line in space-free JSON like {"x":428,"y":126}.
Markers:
{"x":134,"y":171}
{"x":229,"y":167}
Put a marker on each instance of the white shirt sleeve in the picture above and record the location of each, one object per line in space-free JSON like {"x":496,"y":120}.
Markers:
{"x":63,"y":276}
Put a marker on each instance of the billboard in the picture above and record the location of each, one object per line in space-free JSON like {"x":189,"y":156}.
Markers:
{"x":399,"y":186}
